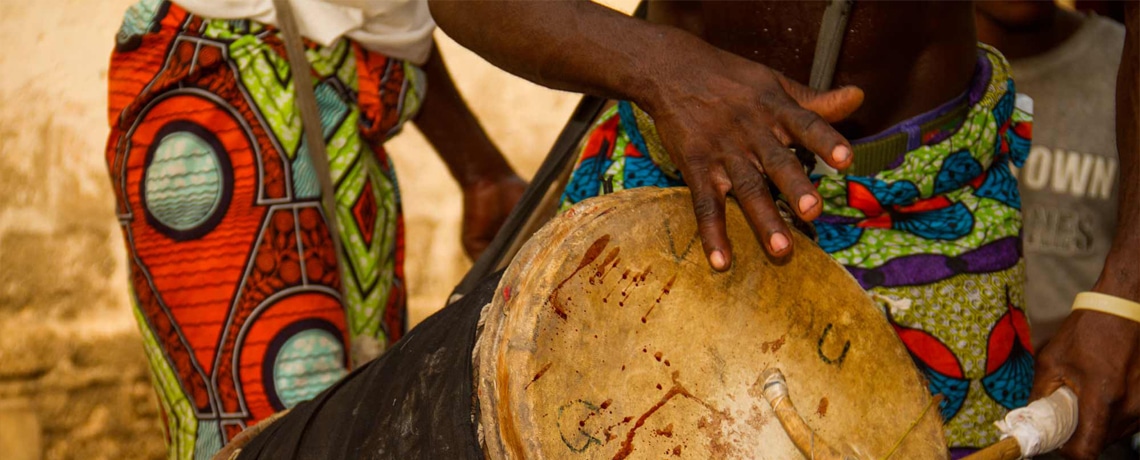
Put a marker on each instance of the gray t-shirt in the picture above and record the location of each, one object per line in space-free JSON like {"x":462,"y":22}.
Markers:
{"x":1069,"y":183}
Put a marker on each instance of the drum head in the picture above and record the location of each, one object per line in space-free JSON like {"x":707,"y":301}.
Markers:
{"x":611,"y":337}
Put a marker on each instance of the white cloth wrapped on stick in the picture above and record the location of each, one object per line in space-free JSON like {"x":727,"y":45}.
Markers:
{"x":1044,"y":425}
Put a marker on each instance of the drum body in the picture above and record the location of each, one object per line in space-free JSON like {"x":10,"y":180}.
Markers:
{"x":412,"y":402}
{"x":610,"y":337}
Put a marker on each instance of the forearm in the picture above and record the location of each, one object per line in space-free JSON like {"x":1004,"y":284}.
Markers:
{"x":1121,"y":275}
{"x":572,"y":45}
{"x":725,"y":121}
{"x":450,"y":127}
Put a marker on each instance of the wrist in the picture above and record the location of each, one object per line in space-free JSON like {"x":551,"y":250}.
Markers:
{"x":1109,"y":304}
{"x":667,"y":65}
{"x":1119,"y":278}
{"x":484,"y":170}
{"x":472,"y":158}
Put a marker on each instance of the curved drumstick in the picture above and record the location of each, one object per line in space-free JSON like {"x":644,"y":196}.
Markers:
{"x":233,"y":449}
{"x":1042,"y":426}
{"x":775,"y":391}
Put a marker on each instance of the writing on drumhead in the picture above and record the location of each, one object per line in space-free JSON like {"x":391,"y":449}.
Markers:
{"x":680,"y":252}
{"x":836,"y":359}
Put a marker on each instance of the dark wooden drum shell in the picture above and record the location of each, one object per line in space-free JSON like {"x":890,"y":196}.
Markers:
{"x":413,"y":402}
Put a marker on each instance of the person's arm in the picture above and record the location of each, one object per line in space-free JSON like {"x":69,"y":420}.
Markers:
{"x":1097,"y":354}
{"x":490,"y":187}
{"x":725,"y":121}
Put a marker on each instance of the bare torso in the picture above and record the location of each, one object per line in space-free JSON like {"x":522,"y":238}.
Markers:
{"x":908,"y":57}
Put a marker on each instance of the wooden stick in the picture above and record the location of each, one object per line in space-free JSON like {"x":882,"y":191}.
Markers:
{"x":562,"y":154}
{"x":1043,"y":425}
{"x":776,"y":393}
{"x":233,"y":449}
{"x":1006,"y":449}
{"x":544,"y":211}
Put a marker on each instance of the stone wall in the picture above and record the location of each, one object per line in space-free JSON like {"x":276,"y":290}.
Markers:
{"x":73,"y":379}
{"x":83,"y":397}
{"x":70,"y":359}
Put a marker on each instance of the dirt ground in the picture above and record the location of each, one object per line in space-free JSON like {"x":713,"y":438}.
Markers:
{"x":73,"y":381}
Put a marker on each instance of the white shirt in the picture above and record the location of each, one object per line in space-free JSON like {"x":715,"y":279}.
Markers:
{"x":396,"y":28}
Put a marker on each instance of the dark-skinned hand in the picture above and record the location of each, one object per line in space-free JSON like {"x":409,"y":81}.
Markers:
{"x":729,"y":132}
{"x":486,"y":205}
{"x":1098,"y":356}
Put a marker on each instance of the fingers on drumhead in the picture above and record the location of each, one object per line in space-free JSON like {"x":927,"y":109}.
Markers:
{"x":763,"y":216}
{"x":784,"y":169}
{"x":708,"y":205}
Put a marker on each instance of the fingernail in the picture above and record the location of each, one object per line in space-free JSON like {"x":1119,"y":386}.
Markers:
{"x":779,"y":242}
{"x":717,"y":260}
{"x":807,"y":202}
{"x":841,"y":153}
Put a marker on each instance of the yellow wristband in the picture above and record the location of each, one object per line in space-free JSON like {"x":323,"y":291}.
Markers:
{"x":1105,"y":303}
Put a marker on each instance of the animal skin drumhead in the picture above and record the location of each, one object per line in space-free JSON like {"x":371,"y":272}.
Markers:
{"x":610,"y":337}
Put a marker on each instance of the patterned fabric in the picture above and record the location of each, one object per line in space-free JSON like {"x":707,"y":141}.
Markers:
{"x":615,"y":154}
{"x":232,"y":270}
{"x":936,"y":236}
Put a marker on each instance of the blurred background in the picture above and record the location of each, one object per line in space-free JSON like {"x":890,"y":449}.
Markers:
{"x":73,"y":377}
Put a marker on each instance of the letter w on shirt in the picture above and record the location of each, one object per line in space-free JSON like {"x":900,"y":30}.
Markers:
{"x":1077,"y":174}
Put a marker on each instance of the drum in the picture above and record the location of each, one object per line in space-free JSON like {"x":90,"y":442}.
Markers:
{"x":610,"y":337}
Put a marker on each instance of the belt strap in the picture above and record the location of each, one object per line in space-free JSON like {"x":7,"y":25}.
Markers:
{"x":878,"y":155}
{"x":831,"y":31}
{"x":832,"y":28}
{"x":311,"y":123}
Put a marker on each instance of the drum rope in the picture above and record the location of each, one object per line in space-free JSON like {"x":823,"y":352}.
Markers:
{"x":312,"y":133}
{"x":911,"y":428}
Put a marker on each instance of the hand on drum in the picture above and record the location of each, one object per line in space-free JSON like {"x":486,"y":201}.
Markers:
{"x":1098,"y":356}
{"x":486,"y":204}
{"x":729,"y":132}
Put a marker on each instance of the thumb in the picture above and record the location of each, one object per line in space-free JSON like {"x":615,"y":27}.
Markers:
{"x":833,"y":105}
{"x":837,"y":104}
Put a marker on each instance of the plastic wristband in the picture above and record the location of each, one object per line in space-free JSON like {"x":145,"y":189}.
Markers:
{"x":1105,"y":303}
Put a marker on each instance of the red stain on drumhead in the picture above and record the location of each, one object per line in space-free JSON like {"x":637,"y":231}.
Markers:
{"x":558,"y":310}
{"x":609,"y":429}
{"x":591,"y":255}
{"x":773,"y":345}
{"x":538,"y":375}
{"x":594,"y":251}
{"x":677,"y":390}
